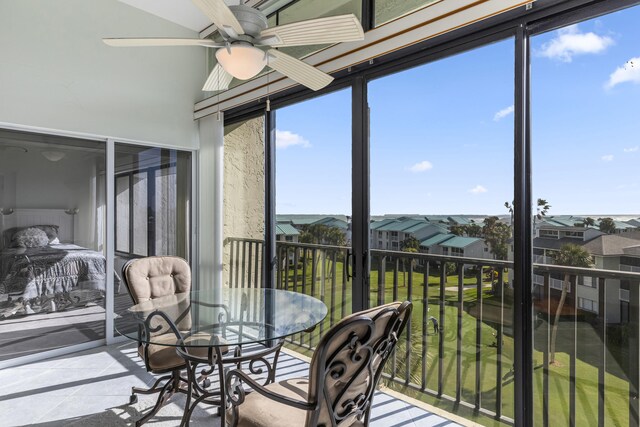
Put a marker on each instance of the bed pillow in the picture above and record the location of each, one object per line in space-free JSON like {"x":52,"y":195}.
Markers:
{"x":31,"y":237}
{"x":50,"y":230}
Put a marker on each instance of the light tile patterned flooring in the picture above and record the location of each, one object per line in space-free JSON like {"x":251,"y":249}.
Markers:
{"x":92,"y":388}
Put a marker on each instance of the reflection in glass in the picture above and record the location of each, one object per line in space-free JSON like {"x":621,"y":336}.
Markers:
{"x":52,"y":248}
{"x":153,"y":206}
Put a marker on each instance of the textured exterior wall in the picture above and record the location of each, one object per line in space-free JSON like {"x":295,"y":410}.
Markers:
{"x":243,"y":184}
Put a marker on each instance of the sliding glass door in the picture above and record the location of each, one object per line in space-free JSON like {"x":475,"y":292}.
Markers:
{"x":585,"y":93}
{"x":152,"y":207}
{"x":53,"y":272}
{"x":441,"y":172}
{"x":313,"y":204}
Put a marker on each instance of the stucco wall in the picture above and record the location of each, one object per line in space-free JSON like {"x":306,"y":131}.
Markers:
{"x":243,"y":185}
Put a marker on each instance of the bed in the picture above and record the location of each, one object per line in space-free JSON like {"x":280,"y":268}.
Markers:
{"x":39,"y":273}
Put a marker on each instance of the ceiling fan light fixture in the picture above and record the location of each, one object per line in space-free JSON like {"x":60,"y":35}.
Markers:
{"x":242,"y":61}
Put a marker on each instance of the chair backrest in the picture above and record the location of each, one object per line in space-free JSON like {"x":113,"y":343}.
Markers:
{"x":348,"y":363}
{"x":160,"y":276}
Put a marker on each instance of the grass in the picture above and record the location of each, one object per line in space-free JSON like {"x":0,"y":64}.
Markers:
{"x":616,"y":396}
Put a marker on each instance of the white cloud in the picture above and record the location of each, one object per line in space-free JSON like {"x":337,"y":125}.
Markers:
{"x":422,"y":166}
{"x":629,"y":72}
{"x":607,"y":158}
{"x":478,"y":189}
{"x":570,"y":42}
{"x":503,"y":113}
{"x":285,"y":138}
{"x":631,"y":149}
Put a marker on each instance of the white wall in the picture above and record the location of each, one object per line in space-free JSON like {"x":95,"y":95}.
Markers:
{"x":55,"y":72}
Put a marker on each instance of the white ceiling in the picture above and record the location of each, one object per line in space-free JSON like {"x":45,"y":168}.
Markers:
{"x":181,"y":12}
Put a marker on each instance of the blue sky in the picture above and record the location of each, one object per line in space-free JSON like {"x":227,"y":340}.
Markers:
{"x":442,"y":133}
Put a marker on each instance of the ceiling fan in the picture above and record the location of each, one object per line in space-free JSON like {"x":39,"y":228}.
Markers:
{"x":243,"y":28}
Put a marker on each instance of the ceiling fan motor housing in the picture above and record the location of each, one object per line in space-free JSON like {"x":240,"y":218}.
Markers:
{"x":251,"y":20}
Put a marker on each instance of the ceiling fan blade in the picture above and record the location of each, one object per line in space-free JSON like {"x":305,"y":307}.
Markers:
{"x":161,"y":42}
{"x":218,"y":79}
{"x":220,"y":15}
{"x":297,"y":70}
{"x":333,"y":29}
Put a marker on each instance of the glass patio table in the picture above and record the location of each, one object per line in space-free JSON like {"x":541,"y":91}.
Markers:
{"x":215,"y":328}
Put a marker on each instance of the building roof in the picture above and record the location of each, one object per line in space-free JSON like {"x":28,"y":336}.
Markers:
{"x":560,"y":222}
{"x":621,"y":225}
{"x":436,"y":239}
{"x":377,"y":224}
{"x":438,"y":218}
{"x":401,"y":225}
{"x":460,"y":242}
{"x":460,"y":220}
{"x":634,"y":222}
{"x":333,"y":222}
{"x":609,"y":244}
{"x":303,"y":219}
{"x":286,"y":229}
{"x":555,"y":244}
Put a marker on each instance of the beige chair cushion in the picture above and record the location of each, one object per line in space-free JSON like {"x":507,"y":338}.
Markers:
{"x":157,"y":276}
{"x":164,"y":357}
{"x":260,"y":411}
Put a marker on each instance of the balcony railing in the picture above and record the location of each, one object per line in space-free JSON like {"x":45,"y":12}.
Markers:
{"x":458,"y":347}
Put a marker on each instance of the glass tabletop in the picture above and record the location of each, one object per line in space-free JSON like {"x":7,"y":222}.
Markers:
{"x":220,"y":317}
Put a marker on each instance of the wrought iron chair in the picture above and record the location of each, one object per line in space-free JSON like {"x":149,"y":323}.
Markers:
{"x":343,"y":375}
{"x":146,"y":279}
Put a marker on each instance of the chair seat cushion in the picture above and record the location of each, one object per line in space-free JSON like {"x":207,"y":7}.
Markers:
{"x":162,"y":353}
{"x":260,"y":411}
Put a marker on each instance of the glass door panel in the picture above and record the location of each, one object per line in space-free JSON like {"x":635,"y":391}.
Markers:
{"x":153,"y":207}
{"x":244,"y":203}
{"x":585,"y":92}
{"x":52,"y":247}
{"x":313,"y":204}
{"x":441,"y":172}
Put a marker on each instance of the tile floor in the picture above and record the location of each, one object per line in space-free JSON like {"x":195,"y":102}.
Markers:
{"x":92,"y":388}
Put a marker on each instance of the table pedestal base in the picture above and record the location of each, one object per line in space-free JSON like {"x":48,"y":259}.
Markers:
{"x":199,"y":371}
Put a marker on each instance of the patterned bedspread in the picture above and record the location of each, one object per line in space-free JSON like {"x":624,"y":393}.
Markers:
{"x":49,"y":278}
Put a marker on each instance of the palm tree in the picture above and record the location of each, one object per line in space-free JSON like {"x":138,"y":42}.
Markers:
{"x":574,"y":256}
{"x":543,"y":208}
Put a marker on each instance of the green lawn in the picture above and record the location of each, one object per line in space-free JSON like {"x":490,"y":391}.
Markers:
{"x":616,"y":402}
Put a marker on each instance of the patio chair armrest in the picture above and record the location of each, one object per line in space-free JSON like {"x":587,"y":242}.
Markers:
{"x":235,"y":391}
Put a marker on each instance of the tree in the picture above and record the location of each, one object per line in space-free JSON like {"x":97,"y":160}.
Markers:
{"x":323,"y":235}
{"x":510,"y":208}
{"x":458,"y":230}
{"x":607,"y":225}
{"x":574,"y":256}
{"x":497,"y":234}
{"x":542,"y":208}
{"x":410,"y":244}
{"x":589,"y":222}
{"x":473,"y":230}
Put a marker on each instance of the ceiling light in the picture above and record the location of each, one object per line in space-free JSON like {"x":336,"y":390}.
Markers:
{"x":53,"y":156}
{"x":242,"y":61}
